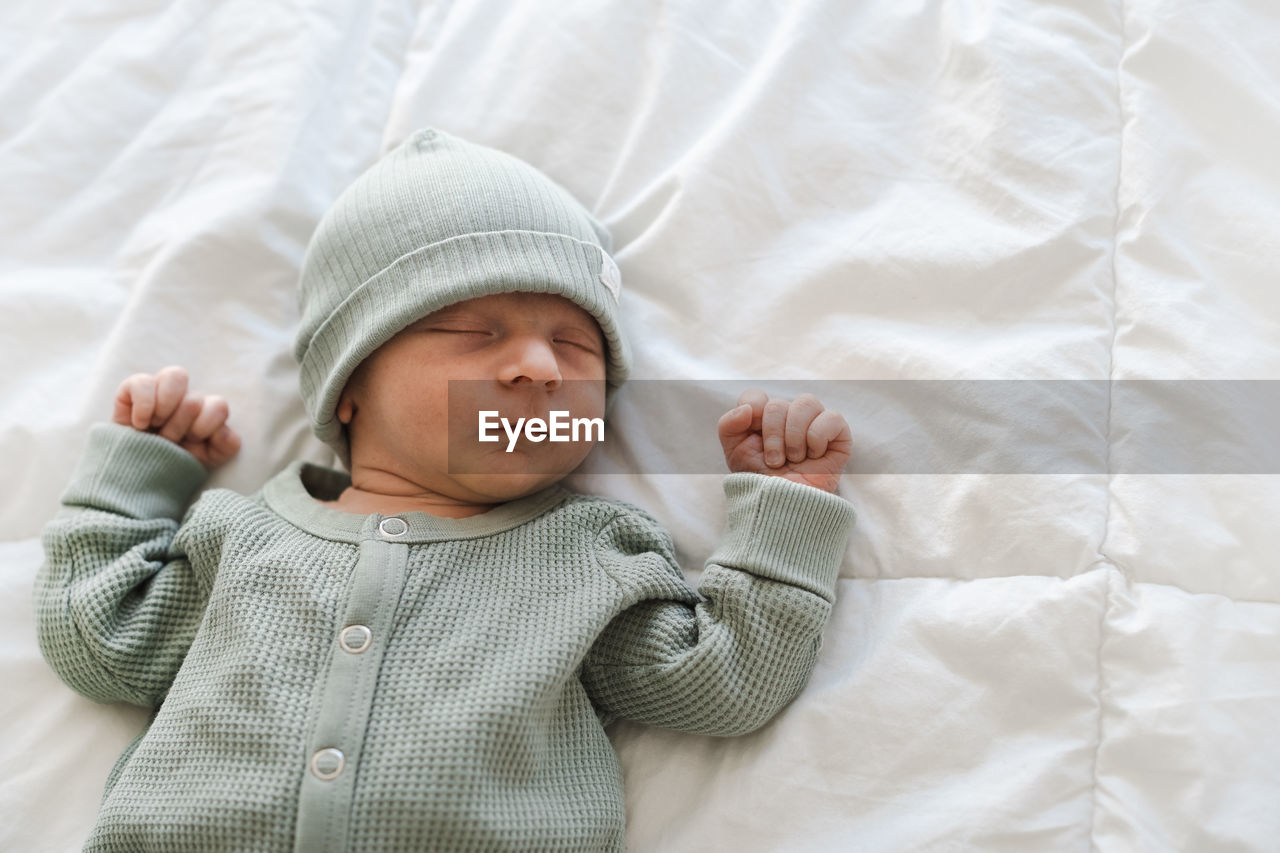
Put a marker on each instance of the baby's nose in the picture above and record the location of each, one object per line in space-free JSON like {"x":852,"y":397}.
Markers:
{"x":532,"y":361}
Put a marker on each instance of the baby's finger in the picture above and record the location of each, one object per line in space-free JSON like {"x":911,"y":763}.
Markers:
{"x":756,"y":399}
{"x":218,"y":450}
{"x":224,"y":444}
{"x":734,"y":422}
{"x":803,"y":410}
{"x":122,"y":403}
{"x":772,"y":429}
{"x":827,"y":428}
{"x":213,"y":414}
{"x":136,"y":401}
{"x":171,"y":388}
{"x":177,"y":427}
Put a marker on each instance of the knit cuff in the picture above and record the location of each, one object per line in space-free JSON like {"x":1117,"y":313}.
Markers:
{"x":133,"y":473}
{"x":784,"y":531}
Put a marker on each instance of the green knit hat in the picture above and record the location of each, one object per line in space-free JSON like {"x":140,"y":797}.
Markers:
{"x":435,"y":221}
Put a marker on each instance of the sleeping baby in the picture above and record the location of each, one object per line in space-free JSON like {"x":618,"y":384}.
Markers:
{"x":424,"y":653}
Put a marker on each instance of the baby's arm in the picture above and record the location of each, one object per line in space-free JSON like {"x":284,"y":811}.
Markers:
{"x":726,"y":661}
{"x":118,"y":599}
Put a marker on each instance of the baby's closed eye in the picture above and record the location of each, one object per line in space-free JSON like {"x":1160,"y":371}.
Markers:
{"x":579,"y":344}
{"x":572,"y":341}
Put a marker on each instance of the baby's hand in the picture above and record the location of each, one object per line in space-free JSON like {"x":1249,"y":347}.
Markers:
{"x":160,"y":404}
{"x":799,"y":440}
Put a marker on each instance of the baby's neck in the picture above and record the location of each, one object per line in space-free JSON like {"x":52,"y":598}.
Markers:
{"x":359,"y":502}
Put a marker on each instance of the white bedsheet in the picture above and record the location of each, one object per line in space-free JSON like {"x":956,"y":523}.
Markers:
{"x":820,"y":190}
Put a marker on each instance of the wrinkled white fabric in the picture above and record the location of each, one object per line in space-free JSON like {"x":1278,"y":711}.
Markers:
{"x":815,"y":190}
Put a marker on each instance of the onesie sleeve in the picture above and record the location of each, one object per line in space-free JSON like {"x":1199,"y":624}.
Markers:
{"x":726,"y":659}
{"x":117,"y":600}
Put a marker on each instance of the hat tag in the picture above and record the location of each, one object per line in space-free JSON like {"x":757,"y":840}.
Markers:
{"x":610,"y":276}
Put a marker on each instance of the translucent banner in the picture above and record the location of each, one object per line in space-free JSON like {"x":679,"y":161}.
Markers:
{"x":897,"y":426}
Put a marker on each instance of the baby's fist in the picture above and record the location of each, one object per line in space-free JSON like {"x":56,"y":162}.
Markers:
{"x":160,"y":404}
{"x":799,"y":440}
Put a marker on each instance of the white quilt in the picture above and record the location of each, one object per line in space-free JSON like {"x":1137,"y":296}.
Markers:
{"x":1019,"y":659}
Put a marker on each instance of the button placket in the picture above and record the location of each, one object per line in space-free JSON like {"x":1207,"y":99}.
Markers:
{"x":343,"y":702}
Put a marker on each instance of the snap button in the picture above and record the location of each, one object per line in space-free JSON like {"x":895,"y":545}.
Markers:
{"x":327,"y":764}
{"x":394,"y":526}
{"x":355,"y":639}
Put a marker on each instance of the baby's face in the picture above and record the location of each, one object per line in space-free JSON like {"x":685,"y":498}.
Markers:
{"x":531,"y":352}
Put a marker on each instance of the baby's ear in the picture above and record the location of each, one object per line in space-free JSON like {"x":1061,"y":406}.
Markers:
{"x":346,"y":408}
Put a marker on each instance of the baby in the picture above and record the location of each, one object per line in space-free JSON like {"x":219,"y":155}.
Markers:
{"x":423,"y":654}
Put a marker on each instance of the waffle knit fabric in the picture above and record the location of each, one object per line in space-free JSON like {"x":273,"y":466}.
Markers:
{"x":330,"y":681}
{"x":438,"y":220}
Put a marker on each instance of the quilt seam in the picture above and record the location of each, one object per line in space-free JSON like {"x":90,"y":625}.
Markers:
{"x":1101,"y":688}
{"x":1111,"y":566}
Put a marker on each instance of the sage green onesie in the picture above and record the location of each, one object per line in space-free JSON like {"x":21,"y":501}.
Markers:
{"x":328,"y":681}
